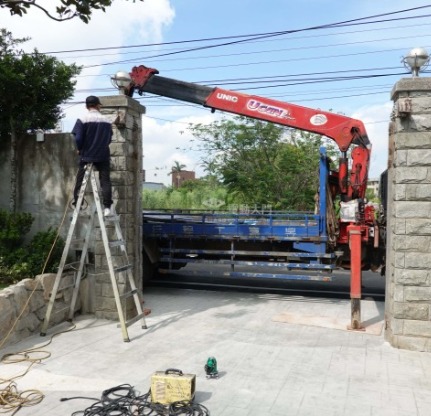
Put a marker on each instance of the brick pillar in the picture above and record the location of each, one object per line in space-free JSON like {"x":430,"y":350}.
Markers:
{"x":126,"y":175}
{"x":408,"y":277}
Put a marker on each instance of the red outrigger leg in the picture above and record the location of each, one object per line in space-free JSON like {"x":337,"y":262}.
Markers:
{"x":355,"y":239}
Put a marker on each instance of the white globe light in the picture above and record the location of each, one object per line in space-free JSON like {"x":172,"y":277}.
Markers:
{"x":122,"y":81}
{"x":416,"y":59}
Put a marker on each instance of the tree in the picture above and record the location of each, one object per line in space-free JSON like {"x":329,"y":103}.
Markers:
{"x":65,"y":9}
{"x":262,"y":163}
{"x":32,"y":87}
{"x":176,"y":170}
{"x":177,"y":167}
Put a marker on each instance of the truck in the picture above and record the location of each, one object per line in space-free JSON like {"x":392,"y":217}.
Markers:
{"x":344,"y":231}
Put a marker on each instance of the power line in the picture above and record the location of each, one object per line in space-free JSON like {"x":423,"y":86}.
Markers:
{"x":234,"y":81}
{"x":327,"y":98}
{"x":247,"y":36}
{"x":302,"y":81}
{"x":345,"y":23}
{"x":187,"y":123}
{"x":242,"y":80}
{"x":272,"y":51}
{"x":287,"y":82}
{"x":258,"y":41}
{"x":301,"y":59}
{"x":321,"y":57}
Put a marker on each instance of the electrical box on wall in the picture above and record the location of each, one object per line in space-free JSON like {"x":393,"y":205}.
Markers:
{"x":40,"y":136}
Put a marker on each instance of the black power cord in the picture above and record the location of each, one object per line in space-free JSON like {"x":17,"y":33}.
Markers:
{"x":187,"y":408}
{"x":122,"y":400}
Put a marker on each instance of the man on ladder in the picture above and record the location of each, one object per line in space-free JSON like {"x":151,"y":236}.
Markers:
{"x":93,"y":134}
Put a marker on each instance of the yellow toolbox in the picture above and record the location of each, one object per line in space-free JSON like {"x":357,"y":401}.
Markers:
{"x":172,"y":386}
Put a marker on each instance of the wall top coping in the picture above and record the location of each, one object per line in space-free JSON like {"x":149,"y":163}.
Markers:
{"x":410,"y":85}
{"x":122,"y":100}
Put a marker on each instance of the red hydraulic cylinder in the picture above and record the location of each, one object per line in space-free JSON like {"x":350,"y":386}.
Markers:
{"x":355,"y":244}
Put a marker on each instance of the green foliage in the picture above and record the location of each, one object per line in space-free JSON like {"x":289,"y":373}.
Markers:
{"x":13,"y":228}
{"x":197,"y":194}
{"x":176,"y":167}
{"x":65,"y":9}
{"x":40,"y":246}
{"x":8,"y":45}
{"x":32,"y":87}
{"x":19,"y":260}
{"x":371,"y":196}
{"x":263,"y":163}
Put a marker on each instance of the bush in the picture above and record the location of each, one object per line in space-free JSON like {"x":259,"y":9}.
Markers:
{"x":38,"y":250}
{"x":18,"y":260}
{"x":13,"y":228}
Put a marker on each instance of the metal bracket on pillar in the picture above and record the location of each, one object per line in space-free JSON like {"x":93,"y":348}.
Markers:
{"x":120,"y":119}
{"x":404,"y":107}
{"x":355,"y":244}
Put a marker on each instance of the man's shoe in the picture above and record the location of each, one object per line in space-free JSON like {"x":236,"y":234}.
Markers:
{"x":107,"y":212}
{"x":84,"y":205}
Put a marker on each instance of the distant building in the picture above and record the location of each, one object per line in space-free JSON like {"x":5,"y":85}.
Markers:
{"x":178,"y":178}
{"x":373,"y":185}
{"x":153,"y":186}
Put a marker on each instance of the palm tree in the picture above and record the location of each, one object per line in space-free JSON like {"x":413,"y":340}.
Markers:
{"x":176,"y":170}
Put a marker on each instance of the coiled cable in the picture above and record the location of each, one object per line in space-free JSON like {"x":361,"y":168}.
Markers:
{"x":122,"y":400}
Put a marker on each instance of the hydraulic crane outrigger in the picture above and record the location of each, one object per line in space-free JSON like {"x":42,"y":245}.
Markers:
{"x":348,"y":133}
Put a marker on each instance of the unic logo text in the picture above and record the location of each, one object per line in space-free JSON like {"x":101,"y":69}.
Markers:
{"x":260,"y":107}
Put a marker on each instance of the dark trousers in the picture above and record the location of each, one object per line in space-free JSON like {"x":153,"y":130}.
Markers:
{"x":104,"y":178}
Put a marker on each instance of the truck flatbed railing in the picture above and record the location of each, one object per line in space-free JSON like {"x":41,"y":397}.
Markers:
{"x":229,"y":225}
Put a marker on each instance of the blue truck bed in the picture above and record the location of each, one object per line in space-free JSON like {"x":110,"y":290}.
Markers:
{"x":287,"y":241}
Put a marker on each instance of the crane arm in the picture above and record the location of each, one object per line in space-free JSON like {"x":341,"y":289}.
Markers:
{"x":345,"y":131}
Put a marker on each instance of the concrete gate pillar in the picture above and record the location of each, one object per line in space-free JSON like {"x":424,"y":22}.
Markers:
{"x":408,"y":273}
{"x":126,"y":175}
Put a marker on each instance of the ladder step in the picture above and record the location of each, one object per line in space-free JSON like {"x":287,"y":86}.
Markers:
{"x":133,"y":320}
{"x":123,"y":268}
{"x":128,"y":294}
{"x":112,"y":218}
{"x":66,"y":308}
{"x":116,"y":243}
{"x":81,"y":214}
{"x":71,"y":266}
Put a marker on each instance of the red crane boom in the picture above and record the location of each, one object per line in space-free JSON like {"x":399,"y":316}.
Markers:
{"x":345,"y":131}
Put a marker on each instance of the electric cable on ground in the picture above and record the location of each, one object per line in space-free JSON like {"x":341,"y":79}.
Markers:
{"x":122,"y":400}
{"x":11,"y":399}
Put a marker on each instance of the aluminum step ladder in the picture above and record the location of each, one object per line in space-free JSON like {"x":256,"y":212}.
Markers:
{"x":115,"y":273}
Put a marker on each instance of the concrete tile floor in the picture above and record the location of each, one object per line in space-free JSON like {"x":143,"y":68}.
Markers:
{"x":268,"y":366}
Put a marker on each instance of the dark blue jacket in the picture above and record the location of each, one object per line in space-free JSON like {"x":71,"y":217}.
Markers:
{"x":93,"y":134}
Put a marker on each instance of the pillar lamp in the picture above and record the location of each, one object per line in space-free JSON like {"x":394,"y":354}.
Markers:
{"x":416,"y":60}
{"x":121,"y":80}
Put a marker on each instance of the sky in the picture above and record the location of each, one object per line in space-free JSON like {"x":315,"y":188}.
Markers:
{"x":340,"y":56}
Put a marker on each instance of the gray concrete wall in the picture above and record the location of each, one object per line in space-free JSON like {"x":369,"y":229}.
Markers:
{"x":408,"y":277}
{"x":46,"y":174}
